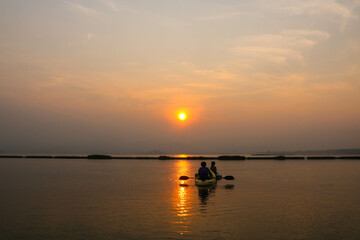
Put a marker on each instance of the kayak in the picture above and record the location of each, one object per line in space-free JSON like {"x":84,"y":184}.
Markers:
{"x":218,"y":176}
{"x":207,"y":182}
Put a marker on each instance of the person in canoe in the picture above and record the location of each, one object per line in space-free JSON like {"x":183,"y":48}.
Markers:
{"x":213,"y":167}
{"x":204,"y":172}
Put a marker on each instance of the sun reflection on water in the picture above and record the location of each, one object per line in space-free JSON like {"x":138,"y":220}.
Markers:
{"x":182,"y":206}
{"x":182,"y":198}
{"x":182,"y":210}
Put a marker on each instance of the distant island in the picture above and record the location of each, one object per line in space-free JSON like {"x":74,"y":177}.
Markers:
{"x":346,"y":151}
{"x":260,"y":156}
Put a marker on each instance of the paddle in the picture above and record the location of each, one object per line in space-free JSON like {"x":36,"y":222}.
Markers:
{"x":226,"y":178}
{"x":229,"y":178}
{"x":183,"y":178}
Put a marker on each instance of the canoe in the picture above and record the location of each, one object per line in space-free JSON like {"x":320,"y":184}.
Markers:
{"x":218,"y":176}
{"x":208,"y":182}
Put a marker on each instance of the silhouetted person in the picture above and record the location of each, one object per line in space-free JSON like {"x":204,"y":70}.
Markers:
{"x":213,"y":167}
{"x":204,"y":172}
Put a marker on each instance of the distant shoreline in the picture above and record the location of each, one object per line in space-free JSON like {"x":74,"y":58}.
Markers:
{"x":165,"y":157}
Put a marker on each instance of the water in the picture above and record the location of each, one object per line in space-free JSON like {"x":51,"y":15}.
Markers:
{"x":142,"y":199}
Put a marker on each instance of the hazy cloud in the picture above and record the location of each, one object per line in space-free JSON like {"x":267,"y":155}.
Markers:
{"x":326,"y":8}
{"x":90,"y":35}
{"x":224,"y":15}
{"x":301,"y":7}
{"x":78,"y":7}
{"x":280,"y":47}
{"x":111,"y":4}
{"x":215,"y":74}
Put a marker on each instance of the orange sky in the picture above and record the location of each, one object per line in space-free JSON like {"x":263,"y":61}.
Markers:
{"x":111,"y":76}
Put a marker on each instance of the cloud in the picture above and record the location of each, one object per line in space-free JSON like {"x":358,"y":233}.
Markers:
{"x":207,"y":86}
{"x":90,"y":35}
{"x":274,"y":54}
{"x":301,"y":7}
{"x":78,"y":7}
{"x":327,"y":87}
{"x":287,"y":45}
{"x":112,"y":5}
{"x":215,"y":74}
{"x":117,"y":7}
{"x":220,"y":16}
{"x":329,"y":9}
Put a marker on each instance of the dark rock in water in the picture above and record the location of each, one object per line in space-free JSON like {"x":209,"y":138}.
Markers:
{"x":164,"y":157}
{"x":96,"y":156}
{"x":233,"y":157}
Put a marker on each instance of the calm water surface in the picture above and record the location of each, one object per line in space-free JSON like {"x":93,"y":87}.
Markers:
{"x":142,"y":199}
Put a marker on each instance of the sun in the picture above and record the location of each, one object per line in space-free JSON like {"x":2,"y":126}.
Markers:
{"x":182,"y":116}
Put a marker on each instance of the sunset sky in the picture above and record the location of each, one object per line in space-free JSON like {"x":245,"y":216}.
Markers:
{"x":107,"y":76}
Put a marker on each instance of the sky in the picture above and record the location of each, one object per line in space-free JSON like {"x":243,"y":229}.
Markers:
{"x":108,"y":76}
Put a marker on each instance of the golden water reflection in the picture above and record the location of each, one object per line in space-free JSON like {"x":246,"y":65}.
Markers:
{"x":182,"y":192}
{"x":186,"y":198}
{"x":182,"y":198}
{"x":182,"y":210}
